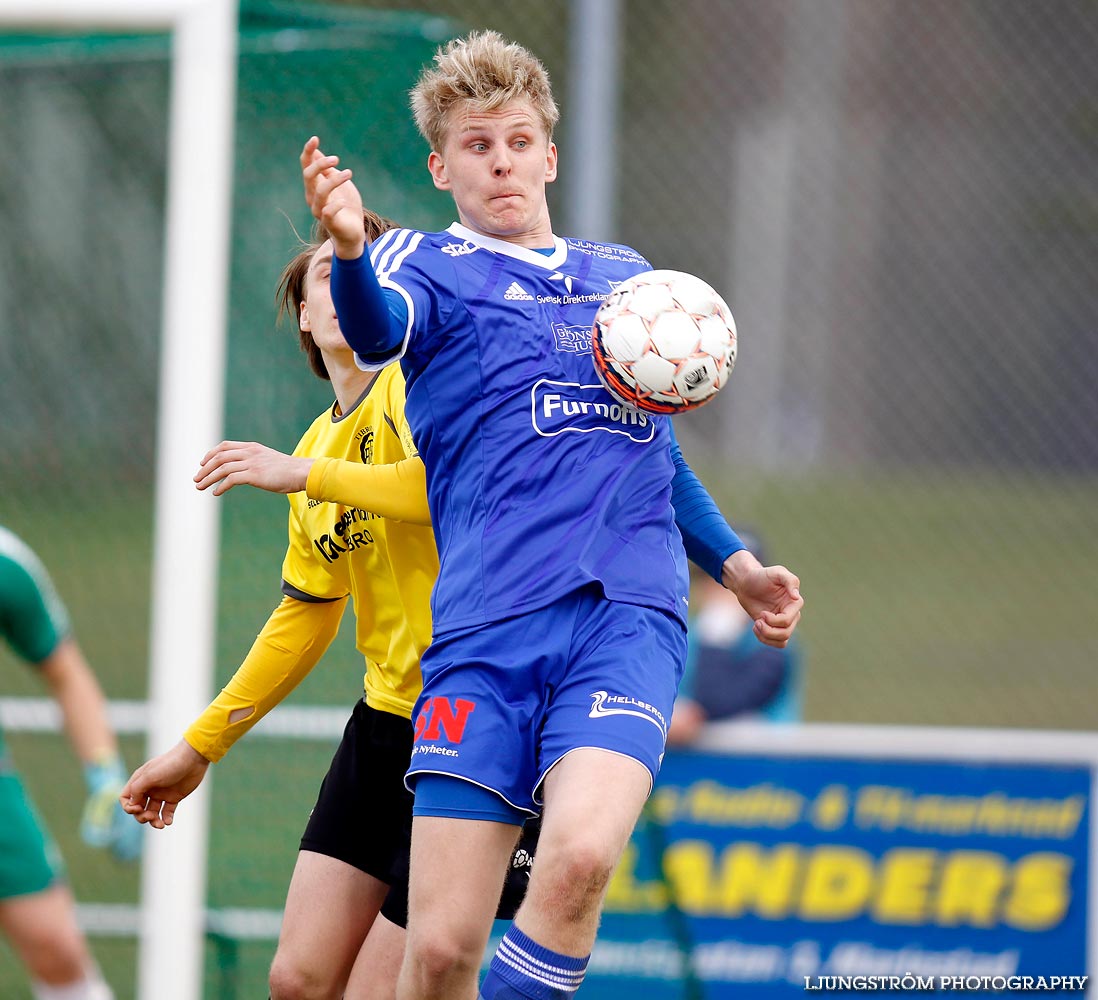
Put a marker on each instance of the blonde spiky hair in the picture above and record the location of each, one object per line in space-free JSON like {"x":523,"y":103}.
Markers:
{"x":486,"y":71}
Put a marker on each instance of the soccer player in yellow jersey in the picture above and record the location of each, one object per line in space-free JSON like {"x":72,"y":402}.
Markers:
{"x":354,"y":848}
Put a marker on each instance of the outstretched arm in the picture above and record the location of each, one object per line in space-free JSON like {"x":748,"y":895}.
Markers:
{"x":291,"y":643}
{"x":395,"y":490}
{"x":248,"y":463}
{"x":770,"y":595}
{"x":707,"y":537}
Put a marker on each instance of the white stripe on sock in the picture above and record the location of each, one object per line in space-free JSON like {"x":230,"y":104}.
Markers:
{"x":522,"y":961}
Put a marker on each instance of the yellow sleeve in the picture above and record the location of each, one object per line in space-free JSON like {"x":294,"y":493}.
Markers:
{"x":291,"y":643}
{"x":397,"y":490}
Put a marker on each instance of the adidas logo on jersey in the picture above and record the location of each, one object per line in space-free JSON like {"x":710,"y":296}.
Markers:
{"x":517,"y":293}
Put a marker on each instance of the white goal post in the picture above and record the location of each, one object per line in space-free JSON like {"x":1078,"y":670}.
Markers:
{"x":190,"y":418}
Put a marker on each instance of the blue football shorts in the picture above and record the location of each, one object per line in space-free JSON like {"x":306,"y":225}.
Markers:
{"x":502,"y":703}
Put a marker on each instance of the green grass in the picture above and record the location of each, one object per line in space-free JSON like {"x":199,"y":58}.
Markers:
{"x":938,"y":598}
{"x":931,"y":599}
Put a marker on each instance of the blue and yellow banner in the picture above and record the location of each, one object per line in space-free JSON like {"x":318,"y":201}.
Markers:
{"x":757,"y":876}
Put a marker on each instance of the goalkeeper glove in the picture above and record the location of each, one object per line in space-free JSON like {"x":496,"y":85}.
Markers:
{"x":104,"y":823}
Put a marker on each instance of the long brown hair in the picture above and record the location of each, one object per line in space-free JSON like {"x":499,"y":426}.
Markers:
{"x":291,"y":283}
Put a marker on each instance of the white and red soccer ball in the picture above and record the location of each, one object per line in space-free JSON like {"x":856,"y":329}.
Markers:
{"x":663,"y":341}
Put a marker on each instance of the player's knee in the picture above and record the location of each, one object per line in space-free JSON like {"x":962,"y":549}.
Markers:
{"x":290,"y":980}
{"x":589,"y":856}
{"x":573,"y":877}
{"x":439,"y":957}
{"x":56,"y":958}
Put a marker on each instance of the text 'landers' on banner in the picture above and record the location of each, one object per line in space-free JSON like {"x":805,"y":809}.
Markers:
{"x":778,"y":869}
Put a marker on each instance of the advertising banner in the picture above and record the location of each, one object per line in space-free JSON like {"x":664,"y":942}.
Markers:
{"x":772,"y":876}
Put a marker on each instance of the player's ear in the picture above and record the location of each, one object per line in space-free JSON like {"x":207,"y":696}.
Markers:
{"x":551,"y":163}
{"x":303,"y":322}
{"x":438,"y":171}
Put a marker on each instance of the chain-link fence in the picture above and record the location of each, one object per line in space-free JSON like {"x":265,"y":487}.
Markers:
{"x":898,"y":199}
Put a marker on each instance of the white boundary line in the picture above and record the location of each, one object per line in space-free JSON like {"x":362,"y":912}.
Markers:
{"x":313,"y":722}
{"x":236,"y":922}
{"x":904,"y":742}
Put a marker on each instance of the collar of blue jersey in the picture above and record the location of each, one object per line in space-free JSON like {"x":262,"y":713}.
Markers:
{"x":549,"y":262}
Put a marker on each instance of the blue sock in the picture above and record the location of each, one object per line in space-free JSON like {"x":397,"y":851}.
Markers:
{"x":522,"y":969}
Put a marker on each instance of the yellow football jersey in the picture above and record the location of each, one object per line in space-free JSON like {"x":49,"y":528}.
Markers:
{"x":387,"y":567}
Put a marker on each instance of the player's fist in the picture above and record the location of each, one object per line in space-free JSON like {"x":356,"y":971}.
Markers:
{"x":156,"y":788}
{"x":771,"y":595}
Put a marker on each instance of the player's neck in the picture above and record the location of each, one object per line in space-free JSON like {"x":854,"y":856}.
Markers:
{"x":349,"y":381}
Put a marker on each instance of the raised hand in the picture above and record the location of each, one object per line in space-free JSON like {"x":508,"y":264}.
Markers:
{"x":248,"y":463}
{"x":333,"y":199}
{"x":157,"y":787}
{"x":771,"y":595}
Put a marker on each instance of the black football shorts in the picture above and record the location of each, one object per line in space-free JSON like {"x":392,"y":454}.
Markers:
{"x":363,"y":813}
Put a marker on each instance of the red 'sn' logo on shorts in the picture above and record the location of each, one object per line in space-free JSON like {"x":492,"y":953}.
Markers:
{"x":440,"y":714}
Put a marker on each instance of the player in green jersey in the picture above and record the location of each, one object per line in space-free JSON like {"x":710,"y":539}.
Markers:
{"x":37,"y":912}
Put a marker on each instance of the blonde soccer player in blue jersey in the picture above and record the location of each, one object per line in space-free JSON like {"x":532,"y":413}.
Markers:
{"x":37,"y":911}
{"x":560,"y":608}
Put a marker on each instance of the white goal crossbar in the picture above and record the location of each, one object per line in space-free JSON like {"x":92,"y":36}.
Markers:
{"x":196,"y":267}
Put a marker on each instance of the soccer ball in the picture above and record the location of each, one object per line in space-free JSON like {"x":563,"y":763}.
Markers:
{"x":663,"y":341}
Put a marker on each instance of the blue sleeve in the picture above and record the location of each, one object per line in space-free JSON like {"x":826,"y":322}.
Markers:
{"x":706,"y":535}
{"x":369,"y":318}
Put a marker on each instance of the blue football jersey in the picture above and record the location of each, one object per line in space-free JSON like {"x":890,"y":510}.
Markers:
{"x":539,"y":481}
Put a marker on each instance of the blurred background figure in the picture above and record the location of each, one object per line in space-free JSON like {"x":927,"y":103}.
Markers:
{"x":729,"y":673}
{"x":37,"y":911}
